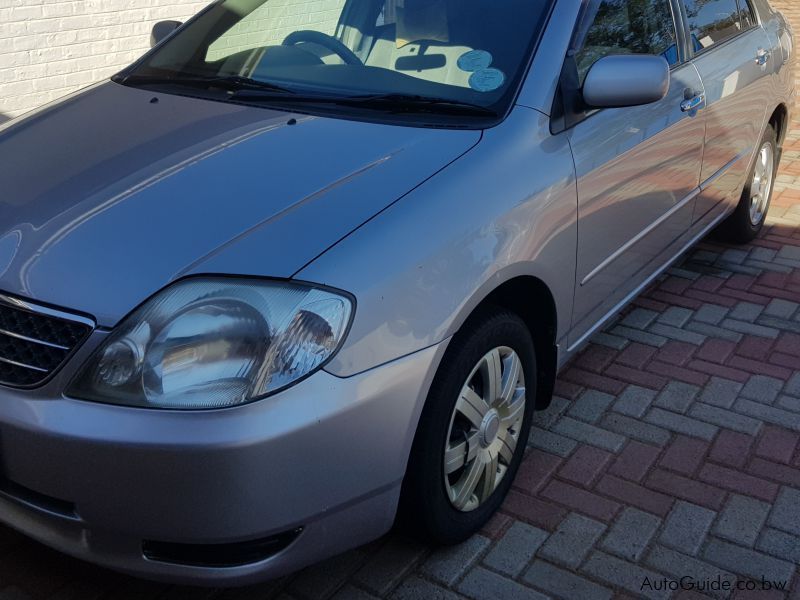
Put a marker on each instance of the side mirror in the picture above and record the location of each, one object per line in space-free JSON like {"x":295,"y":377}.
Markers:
{"x":161,"y":30}
{"x":626,"y":80}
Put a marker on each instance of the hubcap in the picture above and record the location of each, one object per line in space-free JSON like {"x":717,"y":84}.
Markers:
{"x":484,"y":429}
{"x":761,"y":186}
{"x":489,"y":428}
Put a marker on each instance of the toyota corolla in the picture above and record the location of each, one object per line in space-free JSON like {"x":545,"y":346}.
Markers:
{"x":308,"y":266}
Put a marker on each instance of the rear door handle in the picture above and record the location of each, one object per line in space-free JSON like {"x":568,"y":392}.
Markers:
{"x":695,"y":103}
{"x":763,"y":57}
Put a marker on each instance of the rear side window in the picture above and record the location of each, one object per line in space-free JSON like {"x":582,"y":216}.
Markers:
{"x":625,"y":27}
{"x":713,"y":21}
{"x":746,"y":15}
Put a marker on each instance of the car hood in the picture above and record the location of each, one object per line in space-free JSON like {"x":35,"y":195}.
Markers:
{"x":111,"y":194}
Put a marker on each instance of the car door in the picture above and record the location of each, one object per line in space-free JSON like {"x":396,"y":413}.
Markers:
{"x":733,"y":56}
{"x":638,"y":168}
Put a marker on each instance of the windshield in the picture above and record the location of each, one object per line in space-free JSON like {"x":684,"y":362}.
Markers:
{"x":449,"y":53}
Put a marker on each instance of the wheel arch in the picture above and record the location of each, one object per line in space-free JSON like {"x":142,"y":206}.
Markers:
{"x":531,"y":299}
{"x":780,"y":122}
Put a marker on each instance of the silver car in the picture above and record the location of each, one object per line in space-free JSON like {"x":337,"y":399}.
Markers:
{"x":310,"y":266}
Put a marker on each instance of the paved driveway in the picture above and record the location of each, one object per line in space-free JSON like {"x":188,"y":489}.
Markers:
{"x":670,"y":451}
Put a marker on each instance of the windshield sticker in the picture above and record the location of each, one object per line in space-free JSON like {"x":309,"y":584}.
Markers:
{"x":486,"y":80}
{"x":474,"y":60}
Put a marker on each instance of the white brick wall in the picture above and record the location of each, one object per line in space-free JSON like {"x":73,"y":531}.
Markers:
{"x":49,"y":48}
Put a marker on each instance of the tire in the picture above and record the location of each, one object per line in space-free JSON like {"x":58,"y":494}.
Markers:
{"x":746,"y":222}
{"x":434,"y":505}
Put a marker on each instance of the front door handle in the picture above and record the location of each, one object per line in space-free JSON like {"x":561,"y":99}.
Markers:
{"x":763,"y":57}
{"x":695,"y":103}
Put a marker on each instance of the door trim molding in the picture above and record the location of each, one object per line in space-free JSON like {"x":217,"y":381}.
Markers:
{"x":617,"y":307}
{"x":642,"y":234}
{"x":646,"y":231}
{"x":720,"y":172}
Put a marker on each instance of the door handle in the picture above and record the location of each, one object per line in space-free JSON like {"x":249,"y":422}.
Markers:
{"x":763,"y":57}
{"x":695,"y":103}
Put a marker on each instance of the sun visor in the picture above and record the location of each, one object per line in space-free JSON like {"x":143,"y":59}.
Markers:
{"x":418,"y":20}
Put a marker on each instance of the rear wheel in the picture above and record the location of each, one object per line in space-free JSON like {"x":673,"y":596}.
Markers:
{"x":748,"y":218}
{"x":473,"y":429}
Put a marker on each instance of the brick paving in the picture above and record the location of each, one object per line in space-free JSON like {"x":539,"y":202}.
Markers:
{"x":672,"y":449}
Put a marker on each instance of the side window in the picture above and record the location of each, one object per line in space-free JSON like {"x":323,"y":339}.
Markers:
{"x":746,"y":15}
{"x":712,"y":21}
{"x":625,"y":27}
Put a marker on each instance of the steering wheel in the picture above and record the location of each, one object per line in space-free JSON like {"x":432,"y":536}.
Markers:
{"x":323,"y":39}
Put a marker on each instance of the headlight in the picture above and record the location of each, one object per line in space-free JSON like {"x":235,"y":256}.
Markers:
{"x":211,"y":343}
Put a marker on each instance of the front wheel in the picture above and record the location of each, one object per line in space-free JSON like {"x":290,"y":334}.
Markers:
{"x":473,"y":430}
{"x":747,"y":220}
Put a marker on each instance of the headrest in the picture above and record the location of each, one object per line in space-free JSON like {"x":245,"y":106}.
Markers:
{"x":419,"y":20}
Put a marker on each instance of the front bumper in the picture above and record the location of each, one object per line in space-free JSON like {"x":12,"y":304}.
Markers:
{"x":327,"y":455}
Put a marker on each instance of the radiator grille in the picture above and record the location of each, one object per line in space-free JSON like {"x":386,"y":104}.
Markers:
{"x":35,"y":341}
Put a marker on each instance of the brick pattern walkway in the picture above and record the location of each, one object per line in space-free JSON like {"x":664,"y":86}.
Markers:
{"x":672,"y":449}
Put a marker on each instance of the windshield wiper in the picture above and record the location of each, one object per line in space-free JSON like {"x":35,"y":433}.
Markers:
{"x":394,"y":103}
{"x":415,"y":103}
{"x":229,"y":83}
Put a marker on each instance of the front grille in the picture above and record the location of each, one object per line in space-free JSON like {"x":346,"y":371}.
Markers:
{"x":35,"y":341}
